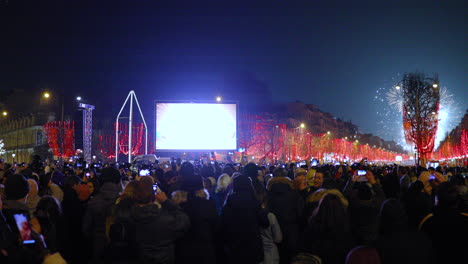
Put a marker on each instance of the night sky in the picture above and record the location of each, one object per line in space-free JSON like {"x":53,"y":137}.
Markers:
{"x":333,"y":55}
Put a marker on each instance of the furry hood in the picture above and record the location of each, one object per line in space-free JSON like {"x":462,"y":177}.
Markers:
{"x":279,"y":184}
{"x":180,"y":196}
{"x":316,"y":196}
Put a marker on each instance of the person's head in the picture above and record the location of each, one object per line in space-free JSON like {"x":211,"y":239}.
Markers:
{"x":229,"y":170}
{"x":71,"y":183}
{"x":300,"y":182}
{"x":147,"y":179}
{"x":192,"y":184}
{"x":129,"y":189}
{"x":78,"y":171}
{"x":16,"y":187}
{"x":318,"y":179}
{"x":447,"y":196}
{"x":208,"y":183}
{"x":392,"y":217}
{"x":144,"y":193}
{"x":187,"y":169}
{"x":223,"y":182}
{"x":110,"y":174}
{"x":251,"y":170}
{"x":300,"y":172}
{"x":314,"y":198}
{"x":243,"y":184}
{"x":207,"y":171}
{"x":306,"y":258}
{"x":363,"y":255}
{"x":330,"y":215}
{"x":280,"y":172}
{"x":91,"y":187}
{"x":48,"y":207}
{"x":402,"y":171}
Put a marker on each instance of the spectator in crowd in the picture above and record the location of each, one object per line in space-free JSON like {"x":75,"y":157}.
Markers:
{"x":417,"y":203}
{"x":404,"y":180}
{"x":327,"y":234}
{"x":287,"y":205}
{"x":445,"y":223}
{"x":157,"y":225}
{"x":317,"y":181}
{"x":221,"y":191}
{"x":397,"y":243}
{"x":271,"y":235}
{"x":300,"y":183}
{"x":73,"y":210}
{"x":198,"y":242}
{"x":16,"y":194}
{"x":98,"y":209}
{"x":47,"y":187}
{"x":365,"y":198}
{"x":48,"y":221}
{"x":255,"y":216}
{"x":241,"y":224}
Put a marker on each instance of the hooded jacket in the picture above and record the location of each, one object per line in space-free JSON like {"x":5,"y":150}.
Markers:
{"x":156,"y":230}
{"x":241,"y":223}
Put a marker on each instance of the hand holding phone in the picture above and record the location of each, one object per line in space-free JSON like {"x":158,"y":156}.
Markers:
{"x":24,"y":228}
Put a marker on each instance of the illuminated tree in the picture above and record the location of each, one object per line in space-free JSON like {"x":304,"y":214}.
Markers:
{"x":421,"y":96}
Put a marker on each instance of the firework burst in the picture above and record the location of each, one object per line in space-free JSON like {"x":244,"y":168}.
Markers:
{"x":389,"y":103}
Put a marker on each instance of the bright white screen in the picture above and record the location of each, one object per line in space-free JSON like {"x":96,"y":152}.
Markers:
{"x":193,"y":126}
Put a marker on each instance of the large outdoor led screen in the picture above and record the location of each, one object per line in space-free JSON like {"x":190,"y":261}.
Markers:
{"x":196,"y":126}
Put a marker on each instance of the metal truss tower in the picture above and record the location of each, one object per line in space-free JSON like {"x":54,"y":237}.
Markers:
{"x":87,"y":129}
{"x":132,"y":97}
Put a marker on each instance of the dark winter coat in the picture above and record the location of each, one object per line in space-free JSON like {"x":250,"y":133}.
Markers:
{"x":156,"y":230}
{"x":397,"y":243}
{"x":121,"y":248}
{"x":94,"y":221}
{"x":448,"y":230}
{"x":73,"y":210}
{"x":198,"y":244}
{"x":287,"y":205}
{"x":241,"y":229}
{"x":364,"y":213}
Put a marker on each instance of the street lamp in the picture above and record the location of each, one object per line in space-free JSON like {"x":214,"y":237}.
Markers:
{"x":78,"y":98}
{"x":435,"y":85}
{"x":397,"y":87}
{"x":218,"y":99}
{"x":302,"y":125}
{"x":46,"y":95}
{"x":4,"y":113}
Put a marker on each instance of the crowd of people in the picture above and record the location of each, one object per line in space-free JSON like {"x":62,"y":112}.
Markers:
{"x":183,"y":212}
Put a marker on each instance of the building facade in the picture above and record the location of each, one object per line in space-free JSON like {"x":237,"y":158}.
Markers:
{"x":21,"y":134}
